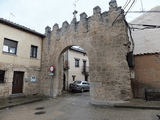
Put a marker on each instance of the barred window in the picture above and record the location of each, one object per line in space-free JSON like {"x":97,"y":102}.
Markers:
{"x":2,"y":73}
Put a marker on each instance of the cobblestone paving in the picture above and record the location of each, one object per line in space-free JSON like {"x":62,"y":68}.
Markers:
{"x":74,"y":106}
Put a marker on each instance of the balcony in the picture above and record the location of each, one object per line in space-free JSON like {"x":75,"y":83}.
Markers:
{"x":85,"y":70}
{"x":66,"y":65}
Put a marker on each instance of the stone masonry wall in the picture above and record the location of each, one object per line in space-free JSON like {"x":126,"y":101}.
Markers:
{"x":104,"y":38}
{"x":29,"y":88}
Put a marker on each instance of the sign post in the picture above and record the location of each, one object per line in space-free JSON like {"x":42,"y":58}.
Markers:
{"x":51,"y":69}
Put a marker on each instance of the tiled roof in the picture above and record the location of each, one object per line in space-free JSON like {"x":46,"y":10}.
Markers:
{"x":141,"y":54}
{"x":77,"y":49}
{"x":23,"y":28}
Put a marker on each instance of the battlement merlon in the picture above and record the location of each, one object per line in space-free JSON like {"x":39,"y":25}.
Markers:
{"x":55,"y":27}
{"x":112,"y":4}
{"x":96,"y":10}
{"x":110,"y":16}
{"x":47,"y":30}
{"x":83,"y":17}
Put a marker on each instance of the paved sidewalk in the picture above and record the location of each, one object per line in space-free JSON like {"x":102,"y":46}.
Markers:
{"x":8,"y":103}
{"x":135,"y":103}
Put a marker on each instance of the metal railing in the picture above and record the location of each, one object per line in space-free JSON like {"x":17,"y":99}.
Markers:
{"x":85,"y":69}
{"x":66,"y":65}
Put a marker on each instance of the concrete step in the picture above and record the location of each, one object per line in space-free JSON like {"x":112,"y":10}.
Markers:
{"x":18,"y":95}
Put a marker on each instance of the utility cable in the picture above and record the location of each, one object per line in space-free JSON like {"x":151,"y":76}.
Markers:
{"x":144,"y":11}
{"x":130,"y":7}
{"x":145,"y":26}
{"x":130,"y":34}
{"x":124,"y":8}
{"x":126,"y":4}
{"x":156,"y":26}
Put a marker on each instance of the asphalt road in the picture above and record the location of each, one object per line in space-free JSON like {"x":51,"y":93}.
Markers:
{"x":74,"y":106}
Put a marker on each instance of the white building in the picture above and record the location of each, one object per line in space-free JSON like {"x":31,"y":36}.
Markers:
{"x":146,"y":32}
{"x":76,"y":66}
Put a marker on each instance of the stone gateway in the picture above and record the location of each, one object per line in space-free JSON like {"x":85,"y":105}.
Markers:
{"x":104,"y":37}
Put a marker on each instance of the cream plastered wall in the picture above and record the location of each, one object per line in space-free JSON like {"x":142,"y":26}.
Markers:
{"x":77,"y":71}
{"x":25,"y":40}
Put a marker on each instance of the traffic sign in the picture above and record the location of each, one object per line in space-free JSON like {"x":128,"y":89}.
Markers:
{"x":51,"y":69}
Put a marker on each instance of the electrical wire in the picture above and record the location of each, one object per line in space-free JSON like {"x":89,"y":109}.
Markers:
{"x":117,"y":17}
{"x":130,"y":7}
{"x":130,"y":34}
{"x":143,"y":11}
{"x":145,"y":26}
{"x":126,"y":4}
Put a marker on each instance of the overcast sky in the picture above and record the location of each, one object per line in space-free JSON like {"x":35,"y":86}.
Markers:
{"x":37,"y":14}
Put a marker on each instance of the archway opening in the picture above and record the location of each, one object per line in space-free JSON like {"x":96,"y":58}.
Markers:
{"x":75,"y":66}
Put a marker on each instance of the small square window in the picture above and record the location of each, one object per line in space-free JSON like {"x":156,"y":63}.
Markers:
{"x":33,"y":52}
{"x":10,"y":46}
{"x":2,"y":73}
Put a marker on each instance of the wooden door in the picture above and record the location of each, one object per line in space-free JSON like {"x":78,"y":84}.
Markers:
{"x":17,"y":82}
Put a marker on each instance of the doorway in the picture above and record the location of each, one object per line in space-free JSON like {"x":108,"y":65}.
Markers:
{"x":17,"y":85}
{"x":64,"y":82}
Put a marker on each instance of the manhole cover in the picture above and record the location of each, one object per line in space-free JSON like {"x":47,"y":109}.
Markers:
{"x":40,"y":113}
{"x":40,"y":108}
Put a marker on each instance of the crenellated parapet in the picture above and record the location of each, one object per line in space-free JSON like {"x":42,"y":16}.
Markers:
{"x":107,"y":18}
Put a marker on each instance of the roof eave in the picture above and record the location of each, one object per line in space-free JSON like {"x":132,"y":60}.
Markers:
{"x":20,"y":27}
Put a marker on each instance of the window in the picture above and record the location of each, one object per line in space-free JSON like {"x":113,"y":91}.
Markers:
{"x":76,"y":63}
{"x":84,"y":63}
{"x":73,"y":76}
{"x":10,"y":46}
{"x":33,"y":52}
{"x":2,"y":72}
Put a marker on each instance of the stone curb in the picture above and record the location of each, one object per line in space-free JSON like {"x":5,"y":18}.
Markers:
{"x":137,"y":107}
{"x":115,"y":105}
{"x":22,"y":103}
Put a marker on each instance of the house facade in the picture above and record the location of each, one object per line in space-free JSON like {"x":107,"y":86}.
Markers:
{"x":147,"y":73}
{"x":76,"y":66}
{"x":146,"y":52}
{"x":20,"y":59}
